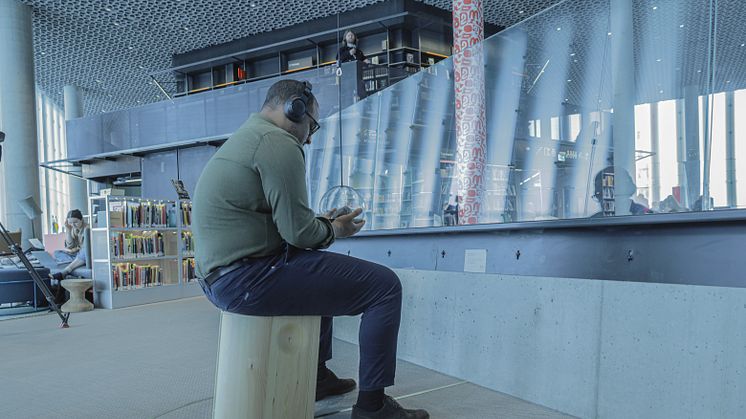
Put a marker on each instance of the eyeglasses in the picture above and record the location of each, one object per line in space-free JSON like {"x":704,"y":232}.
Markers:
{"x":314,"y":125}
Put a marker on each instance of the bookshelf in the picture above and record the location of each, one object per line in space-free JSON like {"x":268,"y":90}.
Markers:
{"x":395,"y":52}
{"x":607,"y":194}
{"x":142,"y":251}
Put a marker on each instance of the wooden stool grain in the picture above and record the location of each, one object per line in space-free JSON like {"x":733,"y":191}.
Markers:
{"x":266,"y":367}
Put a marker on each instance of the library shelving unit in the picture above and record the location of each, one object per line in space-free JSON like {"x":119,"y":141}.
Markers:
{"x":607,"y":194}
{"x":394,"y":52}
{"x":142,"y":251}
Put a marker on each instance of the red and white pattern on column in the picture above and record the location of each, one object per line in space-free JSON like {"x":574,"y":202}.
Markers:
{"x":471,"y":130}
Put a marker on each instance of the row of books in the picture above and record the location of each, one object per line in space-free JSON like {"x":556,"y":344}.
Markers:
{"x":376,"y":72}
{"x":188,"y":270}
{"x":128,"y":245}
{"x":186,"y":213}
{"x":127,"y":276}
{"x":187,"y":242}
{"x":141,"y":214}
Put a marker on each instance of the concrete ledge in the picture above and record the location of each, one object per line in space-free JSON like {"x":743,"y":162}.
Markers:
{"x":590,"y":348}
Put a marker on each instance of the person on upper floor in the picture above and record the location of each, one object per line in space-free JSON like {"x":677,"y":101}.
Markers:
{"x":349,"y":50}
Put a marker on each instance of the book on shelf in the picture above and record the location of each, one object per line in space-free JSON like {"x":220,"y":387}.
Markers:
{"x":128,"y":276}
{"x":186,"y":214}
{"x":187,"y":243}
{"x":188,"y":272}
{"x":129,"y":245}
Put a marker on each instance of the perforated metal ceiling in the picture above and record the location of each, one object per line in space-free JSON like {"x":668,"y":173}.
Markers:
{"x":109,"y":47}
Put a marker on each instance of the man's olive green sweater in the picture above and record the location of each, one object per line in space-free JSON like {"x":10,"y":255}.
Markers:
{"x":251,"y":196}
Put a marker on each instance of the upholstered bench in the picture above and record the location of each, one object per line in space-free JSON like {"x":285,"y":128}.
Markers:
{"x":266,"y":367}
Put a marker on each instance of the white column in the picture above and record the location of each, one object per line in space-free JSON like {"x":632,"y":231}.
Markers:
{"x":730,"y":150}
{"x":78,"y":187}
{"x":655,"y":166}
{"x":681,"y":153}
{"x":18,"y":114}
{"x":623,"y":78}
{"x":691,"y":144}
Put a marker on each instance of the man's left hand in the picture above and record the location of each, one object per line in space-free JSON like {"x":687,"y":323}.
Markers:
{"x":329,"y":214}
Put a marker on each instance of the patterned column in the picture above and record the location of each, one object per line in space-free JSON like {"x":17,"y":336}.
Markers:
{"x":471,"y":132}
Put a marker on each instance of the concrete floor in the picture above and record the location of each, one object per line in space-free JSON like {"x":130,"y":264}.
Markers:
{"x":158,"y":361}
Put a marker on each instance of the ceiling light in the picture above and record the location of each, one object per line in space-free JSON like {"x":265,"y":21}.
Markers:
{"x":520,"y":12}
{"x":699,"y":71}
{"x":253,"y":5}
{"x":681,"y":26}
{"x":108,"y":9}
{"x":130,"y":47}
{"x":608,"y":33}
{"x":186,"y":28}
{"x":141,"y":67}
{"x":655,"y":7}
{"x":116,"y":23}
{"x":98,"y":81}
{"x":559,"y":28}
{"x":660,"y":91}
{"x":572,"y":54}
{"x":575,"y":61}
{"x":727,"y":81}
{"x":659,"y":60}
{"x":43,"y":53}
{"x":569,"y":80}
{"x":743,"y":44}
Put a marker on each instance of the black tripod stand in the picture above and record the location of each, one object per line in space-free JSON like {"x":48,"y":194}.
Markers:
{"x":18,"y":251}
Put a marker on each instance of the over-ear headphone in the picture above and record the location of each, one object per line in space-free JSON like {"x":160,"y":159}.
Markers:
{"x":296,"y":106}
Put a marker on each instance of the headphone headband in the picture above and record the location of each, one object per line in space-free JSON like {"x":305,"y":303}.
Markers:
{"x":296,"y":107}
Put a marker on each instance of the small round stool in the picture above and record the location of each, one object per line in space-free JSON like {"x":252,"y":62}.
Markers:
{"x":77,"y":289}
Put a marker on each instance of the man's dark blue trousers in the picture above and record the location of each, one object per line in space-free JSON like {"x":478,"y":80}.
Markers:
{"x":311,"y":282}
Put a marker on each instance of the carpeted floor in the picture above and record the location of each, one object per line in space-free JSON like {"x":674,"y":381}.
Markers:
{"x":158,"y":361}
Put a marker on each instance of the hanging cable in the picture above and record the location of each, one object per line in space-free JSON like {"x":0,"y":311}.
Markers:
{"x":339,"y":100}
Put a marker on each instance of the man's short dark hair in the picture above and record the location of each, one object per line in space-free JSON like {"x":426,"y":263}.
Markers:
{"x":283,"y":90}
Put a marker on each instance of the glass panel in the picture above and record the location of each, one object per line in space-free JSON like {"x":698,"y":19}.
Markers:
{"x":592,"y":109}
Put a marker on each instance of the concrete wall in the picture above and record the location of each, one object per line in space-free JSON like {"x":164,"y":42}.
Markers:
{"x":590,"y":348}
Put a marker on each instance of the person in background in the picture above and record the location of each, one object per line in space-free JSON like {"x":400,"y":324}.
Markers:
{"x":349,"y":50}
{"x":76,"y":240}
{"x":75,"y":230}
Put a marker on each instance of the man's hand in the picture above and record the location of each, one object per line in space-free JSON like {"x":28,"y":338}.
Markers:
{"x":329,"y":214}
{"x":346,"y":225}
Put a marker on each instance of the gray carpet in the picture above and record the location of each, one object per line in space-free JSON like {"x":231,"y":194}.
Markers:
{"x":158,"y":361}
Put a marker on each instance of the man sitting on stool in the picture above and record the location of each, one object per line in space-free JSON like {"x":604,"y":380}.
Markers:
{"x":258,"y":240}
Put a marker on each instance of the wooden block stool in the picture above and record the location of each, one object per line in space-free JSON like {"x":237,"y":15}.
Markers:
{"x":77,"y":289}
{"x":266,"y":367}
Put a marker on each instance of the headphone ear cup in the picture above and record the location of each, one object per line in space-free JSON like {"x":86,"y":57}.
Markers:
{"x":295,"y":109}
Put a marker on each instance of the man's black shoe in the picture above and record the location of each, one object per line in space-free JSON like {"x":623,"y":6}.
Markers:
{"x":390,"y":410}
{"x":331,"y":385}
